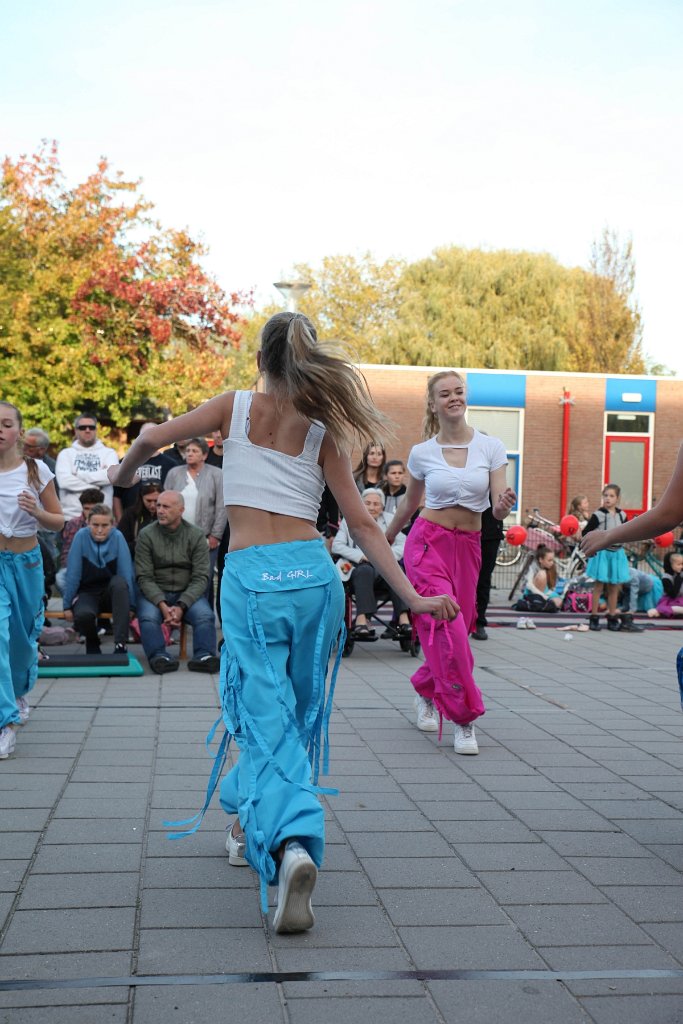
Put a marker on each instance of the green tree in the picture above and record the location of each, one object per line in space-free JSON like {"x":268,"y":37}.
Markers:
{"x":99,"y":303}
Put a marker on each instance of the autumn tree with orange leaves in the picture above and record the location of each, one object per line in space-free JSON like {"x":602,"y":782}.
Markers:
{"x":99,"y":305}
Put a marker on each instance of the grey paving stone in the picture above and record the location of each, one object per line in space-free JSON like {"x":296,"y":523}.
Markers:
{"x":113,"y":791}
{"x":464,"y":810}
{"x":24,"y":820}
{"x":382,"y":821}
{"x":565,"y":820}
{"x":640,"y":809}
{"x":92,"y":997}
{"x":111,"y":889}
{"x":339,"y":926}
{"x":670,"y":936}
{"x":113,"y":1014}
{"x":11,"y":874}
{"x":197,"y":873}
{"x":626,"y":870}
{"x":193,"y":950}
{"x":190,"y":1004}
{"x":18,"y":845}
{"x":341,"y":958}
{"x":655,"y":1009}
{"x":487,"y":832}
{"x":59,"y":931}
{"x":509,"y":856}
{"x":103,"y":830}
{"x":605,"y":791}
{"x":539,"y":887}
{"x":657,"y":831}
{"x":351,"y":988}
{"x":423,"y":906}
{"x":200,"y":908}
{"x":379,"y":1010}
{"x":398,"y":844}
{"x":129,"y":807}
{"x":473,"y":947}
{"x":442,"y":872}
{"x":673,"y":855}
{"x":88,"y":858}
{"x":487,"y":1001}
{"x":594,"y":844}
{"x":30,"y":966}
{"x":627,"y":986}
{"x":552,"y":800}
{"x":553,"y":925}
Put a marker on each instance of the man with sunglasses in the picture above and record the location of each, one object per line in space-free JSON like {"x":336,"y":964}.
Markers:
{"x":84,"y":465}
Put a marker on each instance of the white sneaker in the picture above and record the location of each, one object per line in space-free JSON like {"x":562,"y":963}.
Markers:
{"x":236,"y":847}
{"x":298,"y":875}
{"x":521,"y":623}
{"x":24,"y":710}
{"x":530,"y":624}
{"x":464,"y":740}
{"x":426,"y":719}
{"x":8,"y":741}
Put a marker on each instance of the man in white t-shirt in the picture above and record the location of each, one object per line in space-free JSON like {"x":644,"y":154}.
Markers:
{"x":84,"y":465}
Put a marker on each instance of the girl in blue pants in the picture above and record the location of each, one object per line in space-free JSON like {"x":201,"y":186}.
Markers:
{"x":281,"y":597}
{"x":27,"y":500}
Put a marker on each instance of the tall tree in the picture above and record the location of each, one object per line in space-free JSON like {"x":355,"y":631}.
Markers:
{"x":99,"y":303}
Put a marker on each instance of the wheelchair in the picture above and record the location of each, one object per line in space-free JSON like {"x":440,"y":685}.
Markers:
{"x":409,"y":643}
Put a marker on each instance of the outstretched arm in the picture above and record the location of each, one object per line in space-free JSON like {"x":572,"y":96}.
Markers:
{"x":369,"y":537}
{"x":667,"y":513}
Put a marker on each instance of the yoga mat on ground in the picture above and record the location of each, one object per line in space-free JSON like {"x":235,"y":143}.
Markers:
{"x":64,"y":665}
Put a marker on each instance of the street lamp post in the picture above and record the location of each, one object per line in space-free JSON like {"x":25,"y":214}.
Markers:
{"x":292,"y":291}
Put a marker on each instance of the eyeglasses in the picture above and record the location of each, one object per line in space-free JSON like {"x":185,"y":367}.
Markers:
{"x":86,"y":426}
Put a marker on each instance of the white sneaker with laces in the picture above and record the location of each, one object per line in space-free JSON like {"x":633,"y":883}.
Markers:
{"x":236,"y":846}
{"x":521,"y":623}
{"x":530,"y":624}
{"x":24,"y":710}
{"x":426,"y":719}
{"x":464,"y":740}
{"x":297,"y":879}
{"x":8,"y":741}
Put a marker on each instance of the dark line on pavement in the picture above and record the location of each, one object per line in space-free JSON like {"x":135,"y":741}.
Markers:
{"x":281,"y":977}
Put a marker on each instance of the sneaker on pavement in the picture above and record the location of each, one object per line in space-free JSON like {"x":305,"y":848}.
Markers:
{"x":120,"y":649}
{"x":24,"y":710}
{"x":163,"y":663}
{"x":236,"y":846}
{"x":464,"y":740}
{"x":521,"y":623}
{"x":8,"y":741}
{"x":480,"y":633}
{"x":297,"y":879}
{"x":530,"y":624}
{"x":426,"y":719}
{"x":207,"y":663}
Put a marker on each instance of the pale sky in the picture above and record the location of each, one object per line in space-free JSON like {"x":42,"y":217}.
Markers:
{"x":283,"y":132}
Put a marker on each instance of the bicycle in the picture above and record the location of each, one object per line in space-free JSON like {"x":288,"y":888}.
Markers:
{"x":569,"y":558}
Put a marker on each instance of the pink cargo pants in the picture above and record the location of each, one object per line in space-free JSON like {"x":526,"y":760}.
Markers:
{"x":442,"y":561}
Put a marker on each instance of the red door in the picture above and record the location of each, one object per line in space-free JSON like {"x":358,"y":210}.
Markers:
{"x":627,"y":463}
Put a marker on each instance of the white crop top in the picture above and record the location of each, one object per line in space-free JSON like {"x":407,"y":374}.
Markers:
{"x":258,"y":477}
{"x":14,"y":522}
{"x":445,"y":485}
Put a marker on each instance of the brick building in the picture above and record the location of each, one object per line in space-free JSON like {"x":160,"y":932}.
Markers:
{"x":620,"y":428}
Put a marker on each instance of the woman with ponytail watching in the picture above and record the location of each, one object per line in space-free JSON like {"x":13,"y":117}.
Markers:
{"x":28,"y":500}
{"x":460,"y":472}
{"x":281,"y":593}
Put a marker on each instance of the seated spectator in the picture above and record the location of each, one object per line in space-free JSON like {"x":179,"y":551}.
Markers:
{"x":393,"y":486}
{"x":540,"y":590}
{"x":99,"y":578}
{"x":88,"y":499}
{"x":641,"y":594}
{"x":672,"y":602}
{"x":155,"y":470}
{"x":364,"y":576}
{"x":368,"y":472}
{"x":172,"y":567}
{"x":141,"y":514}
{"x":84,"y":465}
{"x":202,"y":489}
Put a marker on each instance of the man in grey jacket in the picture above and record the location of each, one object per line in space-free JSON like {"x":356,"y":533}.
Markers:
{"x":172,"y":569}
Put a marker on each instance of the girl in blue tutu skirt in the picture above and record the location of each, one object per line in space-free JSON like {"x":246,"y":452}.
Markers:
{"x":608,"y":567}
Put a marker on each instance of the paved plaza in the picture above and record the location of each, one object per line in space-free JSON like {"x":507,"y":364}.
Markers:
{"x":540,"y":882}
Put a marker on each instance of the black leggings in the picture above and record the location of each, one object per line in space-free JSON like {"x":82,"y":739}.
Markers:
{"x":363,"y":579}
{"x":113,"y":597}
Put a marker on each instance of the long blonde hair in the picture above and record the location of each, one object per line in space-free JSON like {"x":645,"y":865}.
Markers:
{"x":32,"y":474}
{"x":430,"y":423}
{"x":320,"y":381}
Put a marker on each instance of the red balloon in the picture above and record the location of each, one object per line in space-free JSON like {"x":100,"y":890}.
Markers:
{"x":569,"y":525}
{"x":665,"y":540}
{"x":515,"y":536}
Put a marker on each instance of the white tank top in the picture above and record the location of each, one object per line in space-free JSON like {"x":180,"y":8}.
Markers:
{"x":446,"y":485}
{"x":257,"y":477}
{"x":14,"y":522}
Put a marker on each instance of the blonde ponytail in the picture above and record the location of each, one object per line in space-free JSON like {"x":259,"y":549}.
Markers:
{"x":320,"y":381}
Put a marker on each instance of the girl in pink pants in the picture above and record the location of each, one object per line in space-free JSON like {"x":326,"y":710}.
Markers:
{"x":453,"y":472}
